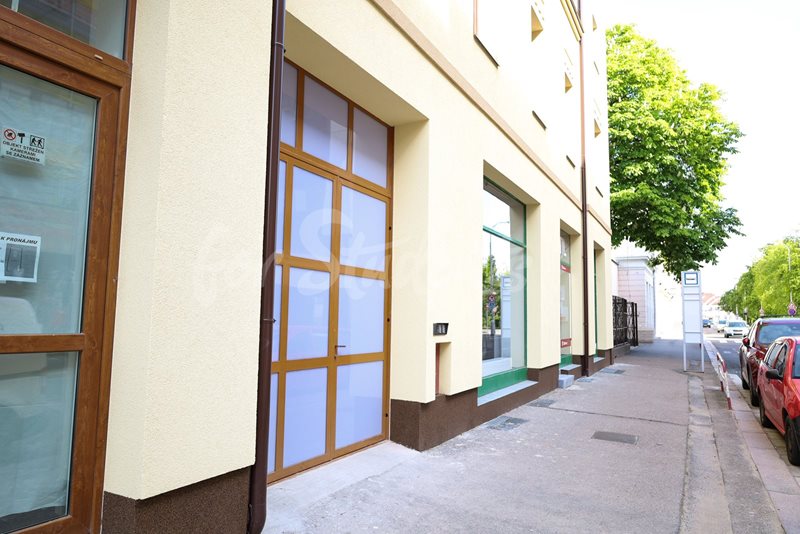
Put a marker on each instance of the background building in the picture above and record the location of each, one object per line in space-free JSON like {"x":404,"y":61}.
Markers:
{"x":440,"y":223}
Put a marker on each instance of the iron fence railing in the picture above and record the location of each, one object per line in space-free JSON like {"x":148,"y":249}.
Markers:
{"x":626,"y":322}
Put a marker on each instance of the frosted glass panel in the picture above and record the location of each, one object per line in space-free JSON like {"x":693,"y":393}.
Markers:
{"x":305,"y":416}
{"x":312,"y":210}
{"x":369,"y":148}
{"x":44,"y":204}
{"x":281,"y":205}
{"x":360,"y":315}
{"x":363,"y":230}
{"x":273,"y":422}
{"x":289,"y":105}
{"x":37,"y":402}
{"x":324,"y":124}
{"x":309,"y":297}
{"x":276,"y":313}
{"x":359,"y":402}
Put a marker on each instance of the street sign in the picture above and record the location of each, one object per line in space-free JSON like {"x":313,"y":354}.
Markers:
{"x":692,"y":300}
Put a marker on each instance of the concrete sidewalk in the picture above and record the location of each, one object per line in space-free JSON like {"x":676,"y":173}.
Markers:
{"x":638,"y":447}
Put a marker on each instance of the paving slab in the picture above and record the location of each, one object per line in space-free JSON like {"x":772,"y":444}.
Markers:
{"x":650,"y":449}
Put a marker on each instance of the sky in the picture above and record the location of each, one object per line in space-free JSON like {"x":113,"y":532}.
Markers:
{"x":749,"y":50}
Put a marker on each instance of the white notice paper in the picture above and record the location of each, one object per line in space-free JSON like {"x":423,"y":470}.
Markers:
{"x":22,"y":146}
{"x":19,"y":257}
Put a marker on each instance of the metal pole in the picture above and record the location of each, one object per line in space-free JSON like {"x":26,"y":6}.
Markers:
{"x":684,"y":356}
{"x":791,"y":294}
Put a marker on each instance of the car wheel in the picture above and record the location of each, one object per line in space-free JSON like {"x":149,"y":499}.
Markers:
{"x":754,"y":400}
{"x":742,"y":375}
{"x":762,"y":417}
{"x":792,"y":442}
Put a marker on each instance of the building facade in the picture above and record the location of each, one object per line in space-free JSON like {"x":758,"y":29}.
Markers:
{"x":432,"y":248}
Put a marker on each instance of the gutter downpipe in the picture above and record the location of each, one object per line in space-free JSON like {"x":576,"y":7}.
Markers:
{"x":584,"y":210}
{"x":257,"y":506}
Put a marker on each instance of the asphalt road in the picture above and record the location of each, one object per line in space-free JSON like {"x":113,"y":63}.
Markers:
{"x":729,"y":348}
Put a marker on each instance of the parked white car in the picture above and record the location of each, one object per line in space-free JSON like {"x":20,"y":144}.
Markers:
{"x":721,"y":324}
{"x":735,"y":328}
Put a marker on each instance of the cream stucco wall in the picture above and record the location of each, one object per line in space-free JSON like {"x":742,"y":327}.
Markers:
{"x":388,"y":57}
{"x":183,"y":391}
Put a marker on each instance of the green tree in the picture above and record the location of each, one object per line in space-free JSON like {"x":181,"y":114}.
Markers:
{"x":668,"y":148}
{"x":767,"y":283}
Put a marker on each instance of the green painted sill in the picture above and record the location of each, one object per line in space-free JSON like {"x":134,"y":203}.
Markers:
{"x":502,"y":380}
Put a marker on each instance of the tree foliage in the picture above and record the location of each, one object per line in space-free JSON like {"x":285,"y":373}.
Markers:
{"x":668,"y":148}
{"x":767,"y":283}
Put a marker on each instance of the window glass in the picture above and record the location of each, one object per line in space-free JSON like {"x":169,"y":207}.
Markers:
{"x":100,"y":23}
{"x":370,"y":148}
{"x":307,"y":324}
{"x":276,"y":313}
{"x":780,"y":360}
{"x":360,"y":315}
{"x":305,"y":415}
{"x":273,"y":422}
{"x":796,"y":365}
{"x":46,"y":153}
{"x":565,"y":300}
{"x":288,"y":105}
{"x":37,"y":402}
{"x":503,"y":303}
{"x":771,"y":332}
{"x":769,"y":359}
{"x":359,"y":402}
{"x":363,"y":242}
{"x":281,"y":207}
{"x":324,"y":124}
{"x":503,"y":213}
{"x":312,"y":211}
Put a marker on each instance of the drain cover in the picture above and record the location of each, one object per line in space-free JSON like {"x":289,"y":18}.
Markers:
{"x":506,"y":423}
{"x":542,"y":403}
{"x":585,"y":379}
{"x":613,"y":371}
{"x":616,"y":436}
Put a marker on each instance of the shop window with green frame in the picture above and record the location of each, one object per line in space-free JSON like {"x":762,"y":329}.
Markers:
{"x":565,"y":304}
{"x":503,"y":300}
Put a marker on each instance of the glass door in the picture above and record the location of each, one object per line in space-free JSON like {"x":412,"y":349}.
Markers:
{"x":330,"y":341}
{"x":55,"y":227}
{"x":329,"y":349}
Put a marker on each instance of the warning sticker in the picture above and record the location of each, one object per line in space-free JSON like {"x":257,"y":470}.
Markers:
{"x":22,"y":146}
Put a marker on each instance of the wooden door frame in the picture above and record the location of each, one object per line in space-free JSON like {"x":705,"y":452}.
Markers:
{"x":33,"y":48}
{"x":295,"y":157}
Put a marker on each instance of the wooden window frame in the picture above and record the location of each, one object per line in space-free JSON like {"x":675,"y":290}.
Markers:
{"x":34,"y":48}
{"x":295,"y":157}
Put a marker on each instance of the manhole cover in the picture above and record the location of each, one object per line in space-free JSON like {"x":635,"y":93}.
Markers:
{"x":506,"y":423}
{"x":616,"y":436}
{"x":612,"y":371}
{"x":542,"y":403}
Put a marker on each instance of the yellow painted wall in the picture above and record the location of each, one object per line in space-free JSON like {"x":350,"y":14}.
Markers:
{"x":183,"y":390}
{"x":445,"y":144}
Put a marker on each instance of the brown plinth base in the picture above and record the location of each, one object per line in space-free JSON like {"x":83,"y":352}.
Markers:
{"x":621,"y":350}
{"x":595,"y":366}
{"x":210,"y":506}
{"x":576,"y":372}
{"x":423,"y":426}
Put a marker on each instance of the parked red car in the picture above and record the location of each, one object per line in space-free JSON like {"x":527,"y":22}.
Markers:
{"x":778,"y":384}
{"x":754,"y":346}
